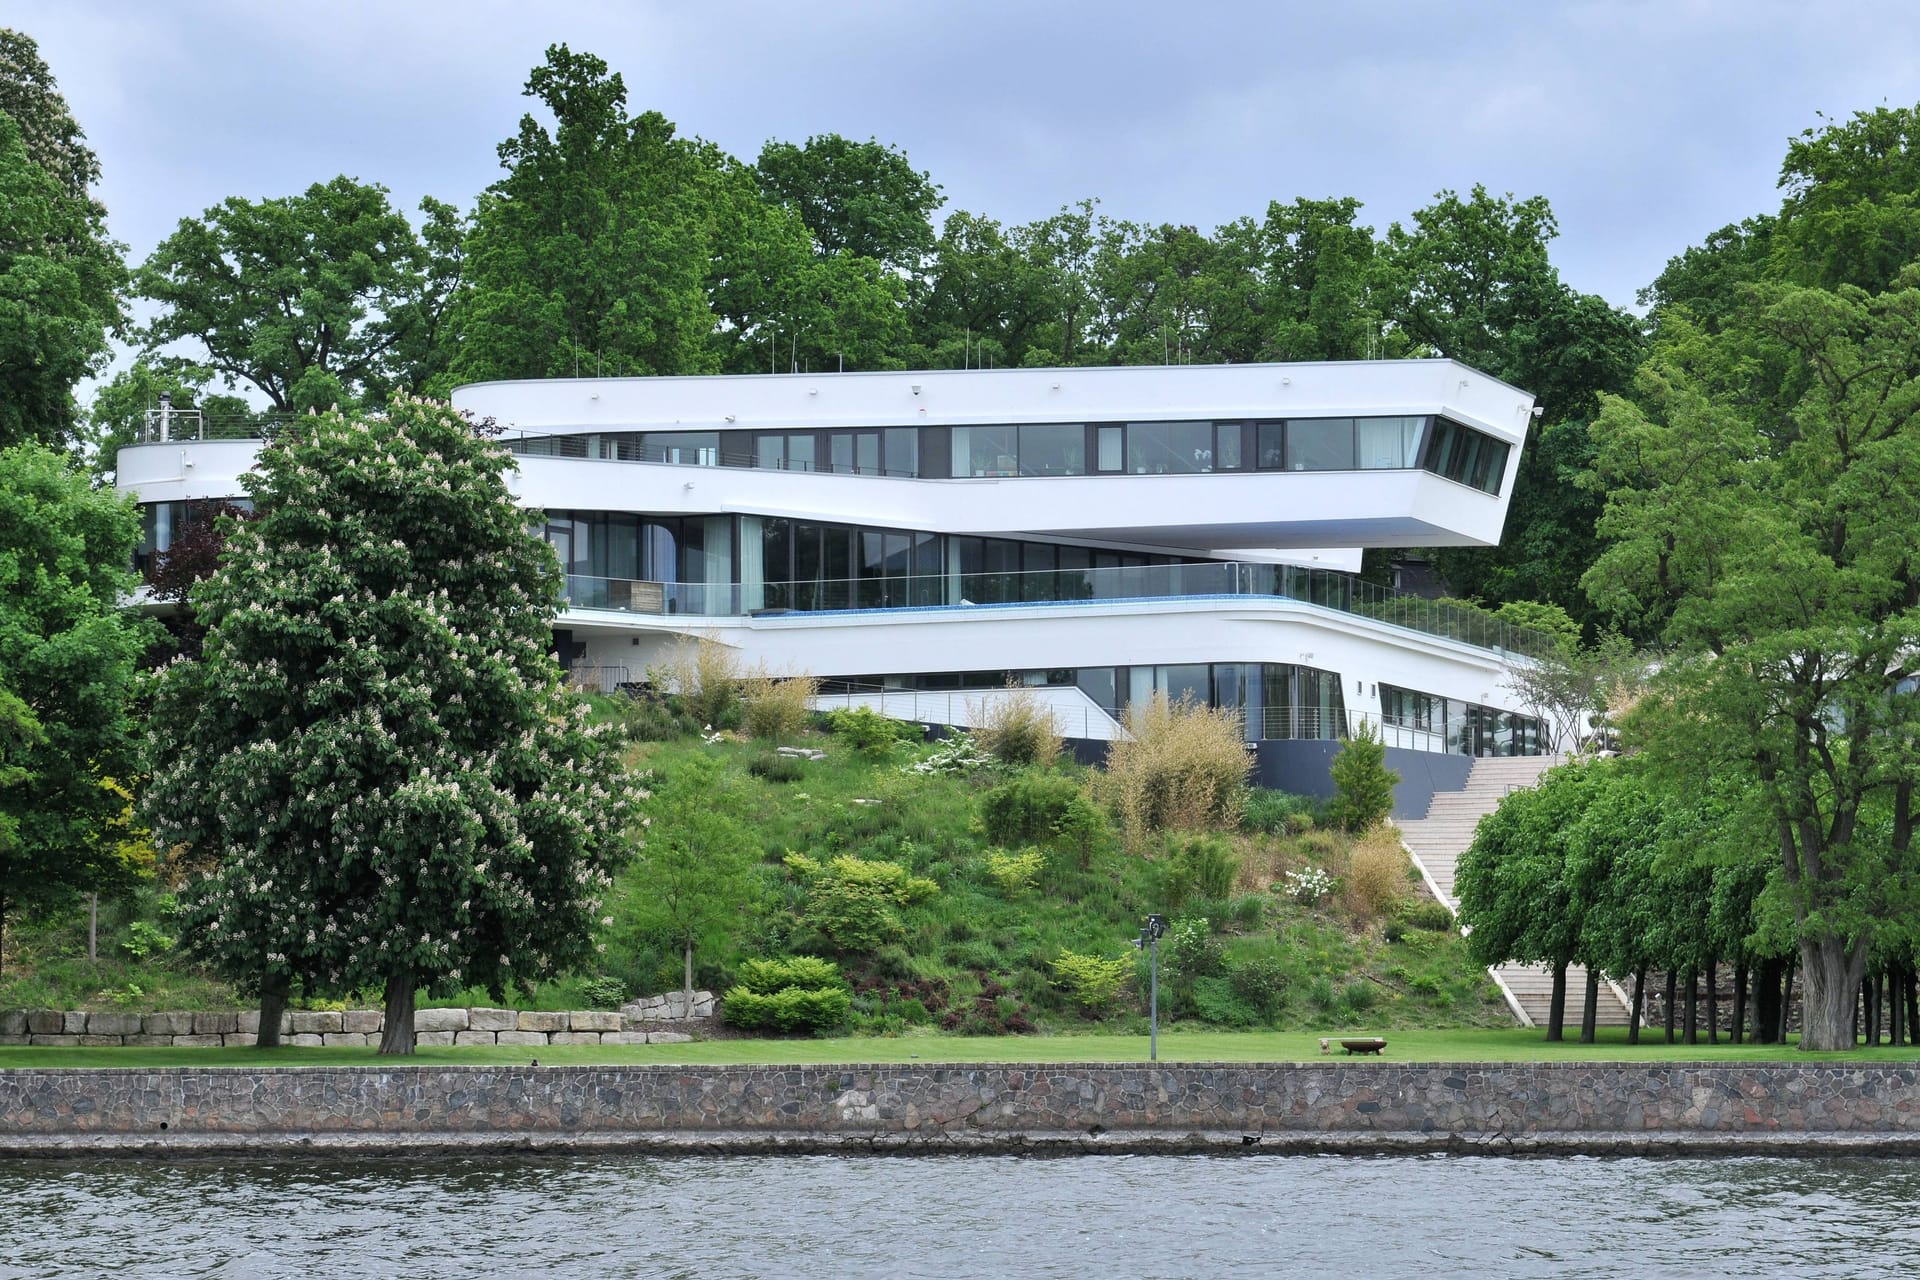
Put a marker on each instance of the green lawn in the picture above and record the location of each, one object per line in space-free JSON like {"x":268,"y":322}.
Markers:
{"x":1517,"y":1045}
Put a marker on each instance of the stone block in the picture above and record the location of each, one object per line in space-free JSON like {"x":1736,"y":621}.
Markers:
{"x":167,"y":1024}
{"x":522,"y":1037}
{"x":593,"y":1020}
{"x":56,"y":1041}
{"x":439,"y":1020}
{"x":427,"y":1039}
{"x":216,"y":1024}
{"x":14,"y":1023}
{"x":668,"y":1037}
{"x":144,"y":1041}
{"x":365,"y":1021}
{"x":113,"y":1024}
{"x":250,"y":1022}
{"x":15,"y":1039}
{"x":239,"y":1040}
{"x":576,"y":1037}
{"x":73,"y":1022}
{"x":473,"y":1037}
{"x":44,"y":1022}
{"x":703,"y":1005}
{"x":541,"y":1020}
{"x":314,"y":1023}
{"x":624,"y":1037}
{"x":305,"y":1040}
{"x":198,"y":1042}
{"x":492,"y":1020}
{"x":101,"y":1042}
{"x":345,"y":1039}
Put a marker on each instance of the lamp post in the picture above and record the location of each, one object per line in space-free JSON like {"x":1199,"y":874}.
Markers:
{"x":1149,"y":941}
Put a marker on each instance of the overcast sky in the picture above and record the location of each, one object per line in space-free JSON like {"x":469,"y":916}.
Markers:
{"x":1647,"y":125}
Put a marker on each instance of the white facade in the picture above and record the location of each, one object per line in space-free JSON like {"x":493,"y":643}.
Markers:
{"x":1190,"y":524}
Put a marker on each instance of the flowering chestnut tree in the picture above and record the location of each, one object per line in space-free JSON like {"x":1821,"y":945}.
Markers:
{"x":376,"y":751}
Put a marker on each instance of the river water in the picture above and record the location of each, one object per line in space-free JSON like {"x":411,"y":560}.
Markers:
{"x":829,"y":1216}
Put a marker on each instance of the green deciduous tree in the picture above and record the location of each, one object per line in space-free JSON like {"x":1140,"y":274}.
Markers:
{"x":1769,"y":535}
{"x":377,"y":746}
{"x":1516,"y":894}
{"x":861,"y":199}
{"x":696,"y":863}
{"x":60,"y":280}
{"x":326,"y":298}
{"x":67,"y":655}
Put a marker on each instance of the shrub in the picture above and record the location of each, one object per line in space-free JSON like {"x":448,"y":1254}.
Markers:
{"x":1248,"y":911}
{"x":1182,"y":766}
{"x":706,"y":676}
{"x":788,"y":1010}
{"x":1203,"y":867}
{"x":1428,"y":914}
{"x":1214,"y":1000}
{"x":1082,"y":830}
{"x":604,"y":992}
{"x":1359,"y":996}
{"x":652,"y":717}
{"x":1028,"y":807}
{"x":1266,"y":812}
{"x":1015,"y":873}
{"x":1376,"y":877}
{"x":1190,"y":951}
{"x":855,"y":903}
{"x":775,"y":767}
{"x":777,"y":707}
{"x":1260,"y":982}
{"x":1092,"y":982}
{"x":1017,"y":728}
{"x":1395,"y":931}
{"x":144,"y":939}
{"x":768,"y":975}
{"x":1299,"y":823}
{"x":1362,"y":783}
{"x":867,"y":730}
{"x":1307,"y":885}
{"x":959,"y":754}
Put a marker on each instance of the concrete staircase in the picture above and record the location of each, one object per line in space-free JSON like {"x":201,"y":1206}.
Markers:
{"x":1436,"y":842}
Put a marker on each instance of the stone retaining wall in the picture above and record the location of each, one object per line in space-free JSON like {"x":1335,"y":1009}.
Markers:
{"x":1782,"y":1107}
{"x":352,"y":1027}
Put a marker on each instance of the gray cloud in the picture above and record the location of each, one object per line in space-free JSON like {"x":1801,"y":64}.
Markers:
{"x":1647,"y":125}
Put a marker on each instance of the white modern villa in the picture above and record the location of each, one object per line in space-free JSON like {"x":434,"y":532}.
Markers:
{"x":919,"y":540}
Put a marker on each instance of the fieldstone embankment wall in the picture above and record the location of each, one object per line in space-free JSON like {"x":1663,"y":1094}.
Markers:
{"x":1614,"y":1107}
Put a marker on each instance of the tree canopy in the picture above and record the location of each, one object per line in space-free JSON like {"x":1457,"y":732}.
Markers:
{"x":67,"y":659}
{"x":376,"y":749}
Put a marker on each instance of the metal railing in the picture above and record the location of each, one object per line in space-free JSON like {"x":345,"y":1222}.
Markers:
{"x":592,"y":679}
{"x":159,"y":426}
{"x":1321,"y":588}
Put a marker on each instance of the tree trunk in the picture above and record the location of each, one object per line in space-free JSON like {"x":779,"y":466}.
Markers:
{"x":1830,"y":980}
{"x":1693,"y":1008}
{"x":1639,"y":1004}
{"x":396,"y":1032}
{"x":1766,"y":1000}
{"x":274,"y":989}
{"x":1673,"y":990}
{"x":1896,"y":1006}
{"x":1557,"y":1006}
{"x":1912,"y":984}
{"x":93,"y":928}
{"x":687,"y":981}
{"x":1737,"y":1025}
{"x":1590,"y":1014}
{"x":1713,"y":1001}
{"x":1786,"y":998}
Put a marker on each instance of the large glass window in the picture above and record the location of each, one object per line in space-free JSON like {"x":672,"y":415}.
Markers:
{"x":985,"y":451}
{"x":1390,"y":443}
{"x":701,"y":448}
{"x":1465,"y":455}
{"x":1271,"y":444}
{"x":903,"y":451}
{"x":1226,"y":451}
{"x":1320,"y":444}
{"x":1167,"y":448}
{"x":1053,"y":450}
{"x":1112,"y":451}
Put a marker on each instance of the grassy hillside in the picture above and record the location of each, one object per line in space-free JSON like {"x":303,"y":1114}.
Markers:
{"x":934,"y":926}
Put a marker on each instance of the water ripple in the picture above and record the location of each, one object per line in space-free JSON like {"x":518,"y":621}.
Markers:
{"x":953,"y":1216}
